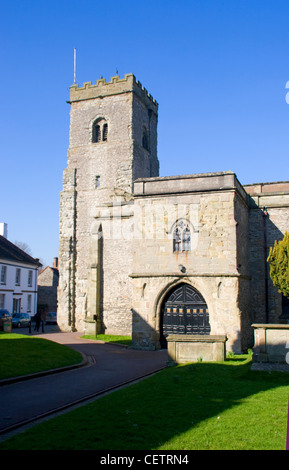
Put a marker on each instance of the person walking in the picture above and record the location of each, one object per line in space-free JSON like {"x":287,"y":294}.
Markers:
{"x":43,"y":318}
{"x":37,"y":321}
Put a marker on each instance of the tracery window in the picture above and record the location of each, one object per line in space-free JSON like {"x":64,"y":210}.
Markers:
{"x":182,"y":237}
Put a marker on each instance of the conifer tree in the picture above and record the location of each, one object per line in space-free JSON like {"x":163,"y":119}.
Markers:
{"x":279,"y":264}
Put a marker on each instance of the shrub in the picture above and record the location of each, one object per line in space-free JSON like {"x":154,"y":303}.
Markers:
{"x":279,"y":265}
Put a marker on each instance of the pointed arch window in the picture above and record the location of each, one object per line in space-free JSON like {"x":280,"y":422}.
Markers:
{"x":182,"y":237}
{"x":99,"y":131}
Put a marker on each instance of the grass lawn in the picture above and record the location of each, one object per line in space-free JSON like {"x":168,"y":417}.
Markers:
{"x":126,"y":340}
{"x":200,"y":406}
{"x":22,"y":355}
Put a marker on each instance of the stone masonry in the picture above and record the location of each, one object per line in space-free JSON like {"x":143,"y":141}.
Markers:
{"x":98,"y":189}
{"x":118,"y":219}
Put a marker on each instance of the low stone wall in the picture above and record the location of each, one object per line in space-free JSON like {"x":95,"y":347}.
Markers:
{"x":271,"y":343}
{"x":193,"y":348}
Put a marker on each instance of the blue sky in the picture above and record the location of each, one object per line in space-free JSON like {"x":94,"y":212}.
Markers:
{"x":218,"y":69}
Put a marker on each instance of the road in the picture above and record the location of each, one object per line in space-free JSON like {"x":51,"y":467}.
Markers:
{"x":107,"y":368}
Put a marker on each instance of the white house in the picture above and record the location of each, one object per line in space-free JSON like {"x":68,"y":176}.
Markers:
{"x":18,"y":278}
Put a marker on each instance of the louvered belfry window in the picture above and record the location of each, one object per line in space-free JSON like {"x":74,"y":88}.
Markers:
{"x":104,"y":132}
{"x":99,"y":131}
{"x":96,"y":133}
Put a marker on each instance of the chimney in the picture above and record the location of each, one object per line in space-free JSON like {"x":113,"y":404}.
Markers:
{"x":55,"y":263}
{"x":3,"y":229}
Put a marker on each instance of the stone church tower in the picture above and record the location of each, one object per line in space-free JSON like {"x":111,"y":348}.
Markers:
{"x":152,"y":256}
{"x":113,"y":141}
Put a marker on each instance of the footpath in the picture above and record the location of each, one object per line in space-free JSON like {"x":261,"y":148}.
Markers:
{"x":105,"y":368}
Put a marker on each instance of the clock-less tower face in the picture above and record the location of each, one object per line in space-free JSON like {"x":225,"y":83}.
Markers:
{"x":113,"y":136}
{"x":113,"y":141}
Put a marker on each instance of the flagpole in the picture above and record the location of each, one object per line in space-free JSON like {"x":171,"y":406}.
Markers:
{"x":74,"y":65}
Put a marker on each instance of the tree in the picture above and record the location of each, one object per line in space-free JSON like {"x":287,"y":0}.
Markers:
{"x":279,"y":265}
{"x":24,"y":247}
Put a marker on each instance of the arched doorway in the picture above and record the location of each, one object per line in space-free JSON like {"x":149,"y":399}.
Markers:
{"x":184,"y":312}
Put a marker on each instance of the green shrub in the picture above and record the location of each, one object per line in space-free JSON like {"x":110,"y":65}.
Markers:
{"x":279,"y":265}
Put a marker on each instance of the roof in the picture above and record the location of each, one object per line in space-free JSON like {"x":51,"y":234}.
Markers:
{"x":11,"y":252}
{"x":54,"y":270}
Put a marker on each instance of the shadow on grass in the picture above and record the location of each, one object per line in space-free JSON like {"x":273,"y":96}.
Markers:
{"x":195,"y":406}
{"x":27,"y":355}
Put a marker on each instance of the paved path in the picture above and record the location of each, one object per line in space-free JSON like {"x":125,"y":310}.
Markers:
{"x":108,"y":366}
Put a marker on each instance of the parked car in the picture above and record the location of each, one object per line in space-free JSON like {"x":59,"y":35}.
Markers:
{"x":4,"y":313}
{"x":21,"y":319}
{"x":4,"y":316}
{"x":51,"y":318}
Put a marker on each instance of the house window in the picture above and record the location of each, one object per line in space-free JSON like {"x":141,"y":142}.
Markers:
{"x":29,"y":302}
{"x":18,"y":277}
{"x":16,"y":305}
{"x":3,"y":274}
{"x":182,"y":237}
{"x":99,"y":131}
{"x":30,"y":277}
{"x":2,"y":300}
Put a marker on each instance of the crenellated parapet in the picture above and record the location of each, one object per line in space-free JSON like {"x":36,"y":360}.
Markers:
{"x":115,"y":86}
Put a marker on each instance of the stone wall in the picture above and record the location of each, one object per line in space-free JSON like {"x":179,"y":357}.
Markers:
{"x":215,"y":206}
{"x":268,"y":220}
{"x":47,"y":288}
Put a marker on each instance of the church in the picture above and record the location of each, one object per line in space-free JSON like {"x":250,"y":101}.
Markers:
{"x":150,"y":256}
